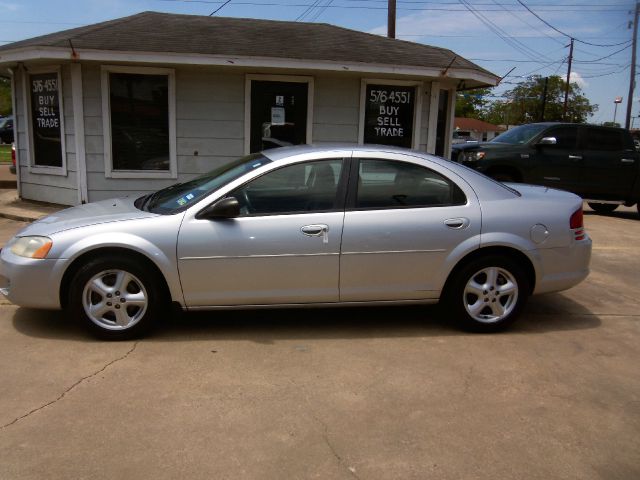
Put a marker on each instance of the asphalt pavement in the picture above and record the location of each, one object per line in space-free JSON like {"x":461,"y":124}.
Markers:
{"x":364,"y":393}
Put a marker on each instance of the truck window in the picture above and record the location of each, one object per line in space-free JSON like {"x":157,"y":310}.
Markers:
{"x":566,"y":137}
{"x":601,"y":139}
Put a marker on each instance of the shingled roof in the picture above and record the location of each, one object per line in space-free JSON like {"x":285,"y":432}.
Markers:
{"x":191,"y":34}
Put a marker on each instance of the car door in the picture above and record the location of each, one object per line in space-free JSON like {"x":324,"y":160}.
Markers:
{"x":402,"y":223}
{"x":558,"y":165}
{"x":610,"y":163}
{"x":283,"y":247}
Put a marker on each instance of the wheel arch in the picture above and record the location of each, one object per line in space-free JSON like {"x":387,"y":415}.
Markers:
{"x":505,"y":251}
{"x":87,"y":256}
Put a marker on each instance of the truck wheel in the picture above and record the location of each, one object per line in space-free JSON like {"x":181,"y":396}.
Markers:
{"x":602,"y":207}
{"x":116,"y":298}
{"x":487,"y":294}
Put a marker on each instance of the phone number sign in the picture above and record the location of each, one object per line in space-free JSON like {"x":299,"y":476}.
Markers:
{"x":45,"y":115}
{"x":389,"y":115}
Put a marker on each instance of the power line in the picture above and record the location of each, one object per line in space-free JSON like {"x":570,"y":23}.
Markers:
{"x":566,"y":34}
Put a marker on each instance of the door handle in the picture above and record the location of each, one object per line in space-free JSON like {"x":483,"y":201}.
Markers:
{"x":627,"y":160}
{"x":319,"y":230}
{"x":575,"y":157}
{"x":457,"y":223}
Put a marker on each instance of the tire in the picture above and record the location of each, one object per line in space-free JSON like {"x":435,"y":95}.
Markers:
{"x":116,"y":298}
{"x":602,"y":207}
{"x":487,"y":294}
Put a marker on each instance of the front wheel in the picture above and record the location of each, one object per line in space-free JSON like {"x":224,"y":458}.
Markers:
{"x":602,"y":207}
{"x":487,"y":294}
{"x":116,"y":298}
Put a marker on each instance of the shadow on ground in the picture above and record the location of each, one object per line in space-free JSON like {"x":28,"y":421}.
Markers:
{"x":553,"y":312}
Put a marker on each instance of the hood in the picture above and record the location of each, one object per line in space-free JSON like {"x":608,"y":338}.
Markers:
{"x":481,"y":145}
{"x":113,"y":210}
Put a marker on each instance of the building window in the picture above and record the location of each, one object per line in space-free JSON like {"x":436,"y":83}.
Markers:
{"x":139,"y":122}
{"x":389,"y":113}
{"x":46,"y":129}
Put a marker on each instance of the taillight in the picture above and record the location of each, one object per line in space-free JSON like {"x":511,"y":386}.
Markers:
{"x":576,"y":223}
{"x":13,"y":154}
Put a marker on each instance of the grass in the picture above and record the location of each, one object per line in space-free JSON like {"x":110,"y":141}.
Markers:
{"x":5,"y":153}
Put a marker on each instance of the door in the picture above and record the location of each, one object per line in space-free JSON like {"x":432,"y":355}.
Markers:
{"x":402,"y":223}
{"x":558,"y":165}
{"x":278,"y":114}
{"x":283,"y":248}
{"x":610,"y":164}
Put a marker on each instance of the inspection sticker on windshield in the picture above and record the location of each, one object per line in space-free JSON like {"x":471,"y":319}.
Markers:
{"x":181,"y":201}
{"x":189,"y":196}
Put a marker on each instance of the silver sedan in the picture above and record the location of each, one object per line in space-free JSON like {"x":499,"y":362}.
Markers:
{"x":304,"y":226}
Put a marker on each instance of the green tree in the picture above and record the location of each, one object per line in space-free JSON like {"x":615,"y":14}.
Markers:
{"x":523,"y":103}
{"x":472,"y":103}
{"x":5,"y":96}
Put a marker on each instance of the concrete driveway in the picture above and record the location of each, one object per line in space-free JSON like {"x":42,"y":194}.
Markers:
{"x":384,"y":393}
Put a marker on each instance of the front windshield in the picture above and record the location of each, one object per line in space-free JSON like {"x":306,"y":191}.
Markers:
{"x":177,"y":197}
{"x":520,"y":135}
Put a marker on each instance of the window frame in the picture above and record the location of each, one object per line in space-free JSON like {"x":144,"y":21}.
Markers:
{"x":109,"y":171}
{"x":341,"y":187}
{"x":417,"y":114}
{"x":30,"y":148}
{"x":354,"y":183}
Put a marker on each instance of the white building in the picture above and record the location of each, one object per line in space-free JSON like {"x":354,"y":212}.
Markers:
{"x":134,"y":104}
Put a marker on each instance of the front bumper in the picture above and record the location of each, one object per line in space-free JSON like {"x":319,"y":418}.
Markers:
{"x":29,"y":282}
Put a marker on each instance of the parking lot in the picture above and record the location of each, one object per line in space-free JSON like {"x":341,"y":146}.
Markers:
{"x":366,"y":393}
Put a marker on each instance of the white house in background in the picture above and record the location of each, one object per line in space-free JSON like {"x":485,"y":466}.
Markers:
{"x":134,"y":104}
{"x":474,"y":130}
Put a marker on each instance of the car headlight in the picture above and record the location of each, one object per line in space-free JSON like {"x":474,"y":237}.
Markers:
{"x":31,"y":247}
{"x":473,"y":156}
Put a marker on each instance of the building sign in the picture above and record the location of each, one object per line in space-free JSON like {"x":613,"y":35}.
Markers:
{"x":45,"y":117}
{"x":389,"y":115}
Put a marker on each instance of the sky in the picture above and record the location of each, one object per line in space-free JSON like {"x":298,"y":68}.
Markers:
{"x":530,"y":35}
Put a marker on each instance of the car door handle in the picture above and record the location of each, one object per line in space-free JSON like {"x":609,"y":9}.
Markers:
{"x":575,"y":157}
{"x":457,"y":223}
{"x":319,"y":230}
{"x":627,"y":160}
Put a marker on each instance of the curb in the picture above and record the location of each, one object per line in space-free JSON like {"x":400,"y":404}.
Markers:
{"x":18,"y":218}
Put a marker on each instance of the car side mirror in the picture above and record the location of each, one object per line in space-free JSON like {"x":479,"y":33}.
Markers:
{"x":226,"y":208}
{"x":548,"y":141}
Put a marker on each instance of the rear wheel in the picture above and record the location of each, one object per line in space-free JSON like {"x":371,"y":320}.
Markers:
{"x":487,"y":294}
{"x":602,"y":207}
{"x":116,"y":298}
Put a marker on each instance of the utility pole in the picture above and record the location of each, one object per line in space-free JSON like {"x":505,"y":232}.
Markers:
{"x":632,"y":78}
{"x":566,"y":91}
{"x":391,"y":19}
{"x":544,"y":98}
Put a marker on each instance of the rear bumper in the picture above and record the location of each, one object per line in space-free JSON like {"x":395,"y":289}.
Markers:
{"x":564,"y":267}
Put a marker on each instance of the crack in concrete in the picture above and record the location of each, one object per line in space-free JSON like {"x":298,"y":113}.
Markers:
{"x":63,"y":394}
{"x":325,"y":431}
{"x":325,"y":437}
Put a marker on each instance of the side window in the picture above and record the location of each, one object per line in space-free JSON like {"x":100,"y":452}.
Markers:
{"x":299,"y":188}
{"x":391,"y":184}
{"x":566,"y":137}
{"x":601,"y":139}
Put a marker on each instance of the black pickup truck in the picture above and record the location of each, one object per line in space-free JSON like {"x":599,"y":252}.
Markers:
{"x":600,"y":164}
